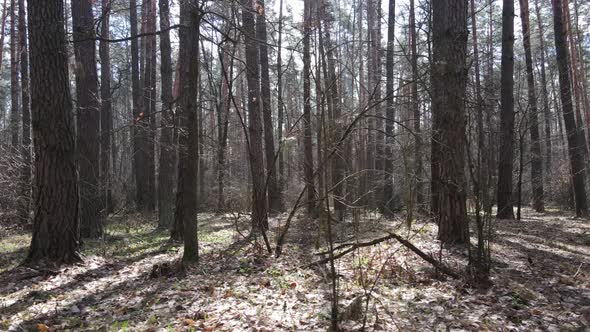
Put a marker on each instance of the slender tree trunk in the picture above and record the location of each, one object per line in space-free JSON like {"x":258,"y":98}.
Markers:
{"x":274,"y":198}
{"x":280,"y":102}
{"x":536,"y":158}
{"x":106,"y":116}
{"x":25,"y":174}
{"x":56,"y":230}
{"x":138,"y":131}
{"x":259,"y":213}
{"x":88,"y":110}
{"x":14,"y":107}
{"x":416,"y":109}
{"x":188,"y":164}
{"x":307,"y":138}
{"x":388,"y":202}
{"x":544,"y":92}
{"x":575,"y":147}
{"x":149,"y":105}
{"x":505,"y":201}
{"x":2,"y":34}
{"x":449,"y":80}
{"x":167,"y":147}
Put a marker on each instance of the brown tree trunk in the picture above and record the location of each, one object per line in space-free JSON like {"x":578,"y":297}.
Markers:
{"x":259,"y":217}
{"x":106,"y":116}
{"x":574,"y":140}
{"x":536,"y":158}
{"x":274,"y":197}
{"x":449,"y":80}
{"x":55,"y":226}
{"x":138,"y":130}
{"x":505,"y":201}
{"x":167,"y":147}
{"x":2,"y":34}
{"x":88,"y":110}
{"x":544,"y":91}
{"x":416,"y":109}
{"x":307,"y":136}
{"x":280,"y":102}
{"x":25,"y":175}
{"x":388,"y":205}
{"x":188,"y":163}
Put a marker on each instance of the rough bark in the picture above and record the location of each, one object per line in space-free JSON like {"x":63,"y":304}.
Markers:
{"x":448,"y":94}
{"x":167,"y":147}
{"x":188,"y":163}
{"x":574,"y":138}
{"x":106,"y":116}
{"x":88,"y":116}
{"x":55,"y":225}
{"x":536,"y":157}
{"x":255,"y":151}
{"x":506,"y":164}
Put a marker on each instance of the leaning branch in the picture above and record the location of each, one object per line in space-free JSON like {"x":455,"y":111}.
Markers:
{"x":353,"y":246}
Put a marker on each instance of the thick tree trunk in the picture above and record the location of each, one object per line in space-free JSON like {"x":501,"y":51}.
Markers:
{"x":106,"y":116}
{"x":505,"y":201}
{"x":55,"y":227}
{"x":274,"y":197}
{"x":167,"y":146}
{"x":188,"y":164}
{"x":307,"y":136}
{"x":574,"y":139}
{"x":448,"y":150}
{"x":88,"y":110}
{"x":259,"y":216}
{"x":536,"y":158}
{"x":388,"y":205}
{"x":25,"y":175}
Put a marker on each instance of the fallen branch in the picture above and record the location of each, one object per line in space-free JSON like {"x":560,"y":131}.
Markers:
{"x":353,"y":246}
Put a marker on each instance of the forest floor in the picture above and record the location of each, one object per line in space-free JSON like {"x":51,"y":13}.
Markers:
{"x":130,"y":281}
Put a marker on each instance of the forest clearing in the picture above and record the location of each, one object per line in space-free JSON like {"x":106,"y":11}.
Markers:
{"x":294,"y":165}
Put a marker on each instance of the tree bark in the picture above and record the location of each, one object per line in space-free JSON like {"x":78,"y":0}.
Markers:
{"x":574,"y":139}
{"x":14,"y":107}
{"x":25,"y":173}
{"x":88,"y":111}
{"x":388,"y":205}
{"x":259,"y":216}
{"x":416,"y":109}
{"x":506,"y":165}
{"x":106,"y":116}
{"x":448,"y":94}
{"x":307,"y":135}
{"x":167,"y":146}
{"x":186,"y":197}
{"x":56,"y":225}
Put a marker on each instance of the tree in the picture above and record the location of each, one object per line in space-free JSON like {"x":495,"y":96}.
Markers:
{"x":25,"y":173}
{"x":307,"y":139}
{"x":56,"y":224}
{"x":188,"y":163}
{"x":148,"y":80}
{"x":574,"y":138}
{"x":14,"y":107}
{"x":274,"y":195}
{"x":88,"y":116}
{"x":256,"y":157}
{"x":388,"y":201}
{"x":416,"y":107}
{"x":449,"y":75}
{"x":536,"y":158}
{"x":106,"y":116}
{"x":167,"y":149}
{"x":506,"y":164}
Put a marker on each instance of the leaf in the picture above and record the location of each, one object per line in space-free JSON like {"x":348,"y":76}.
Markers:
{"x":42,"y":328}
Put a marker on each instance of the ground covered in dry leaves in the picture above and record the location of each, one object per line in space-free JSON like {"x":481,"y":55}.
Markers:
{"x":130,"y":281}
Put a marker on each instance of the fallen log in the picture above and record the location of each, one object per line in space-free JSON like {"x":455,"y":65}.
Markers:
{"x":353,"y":246}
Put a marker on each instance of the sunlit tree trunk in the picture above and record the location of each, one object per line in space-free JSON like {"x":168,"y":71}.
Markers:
{"x":25,"y":176}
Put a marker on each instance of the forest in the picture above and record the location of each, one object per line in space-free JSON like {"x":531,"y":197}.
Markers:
{"x":294,"y":165}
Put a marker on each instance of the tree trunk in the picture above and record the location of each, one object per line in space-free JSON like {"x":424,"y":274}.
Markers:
{"x":88,"y":111}
{"x":274,"y":198}
{"x":388,"y":202}
{"x":307,"y":136}
{"x":55,"y":227}
{"x":575,"y":148}
{"x":188,"y":164}
{"x":545,"y":93}
{"x":167,"y":147}
{"x":25,"y":175}
{"x":14,"y":107}
{"x":416,"y":109}
{"x":280,"y":102}
{"x":259,"y":217}
{"x":139,"y":167}
{"x":505,"y":201}
{"x":448,"y":107}
{"x":536,"y":158}
{"x":106,"y":116}
{"x":2,"y":34}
